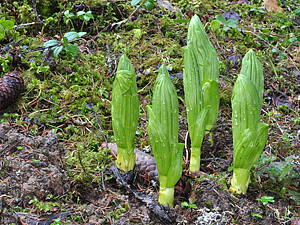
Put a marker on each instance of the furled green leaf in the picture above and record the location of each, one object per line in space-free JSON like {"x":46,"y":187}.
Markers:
{"x":160,"y":144}
{"x":125,"y":105}
{"x":192,"y":85}
{"x":198,"y":131}
{"x":125,"y":109}
{"x":211,"y":96}
{"x":124,"y":78}
{"x":251,"y":68}
{"x":245,"y":106}
{"x":163,"y":130}
{"x":250,"y":146}
{"x":249,"y":136}
{"x":165,"y":100}
{"x":207,"y":57}
{"x":202,"y":63}
{"x":175,"y":170}
{"x":246,"y":153}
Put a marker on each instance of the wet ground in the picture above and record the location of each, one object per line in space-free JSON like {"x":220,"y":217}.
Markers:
{"x":36,"y":189}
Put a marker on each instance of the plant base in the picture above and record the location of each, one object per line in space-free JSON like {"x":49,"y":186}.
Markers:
{"x":195,"y":159}
{"x":166,"y":196}
{"x":125,"y":164}
{"x":240,"y":180}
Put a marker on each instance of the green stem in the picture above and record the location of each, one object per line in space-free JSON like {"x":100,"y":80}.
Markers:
{"x":240,"y":180}
{"x":195,"y":159}
{"x":166,"y":196}
{"x":125,"y":160}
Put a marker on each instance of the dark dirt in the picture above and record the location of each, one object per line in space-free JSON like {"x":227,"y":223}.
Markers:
{"x":37,"y":185}
{"x":32,"y":167}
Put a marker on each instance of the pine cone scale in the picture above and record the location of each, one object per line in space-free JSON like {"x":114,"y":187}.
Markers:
{"x":11,"y":86}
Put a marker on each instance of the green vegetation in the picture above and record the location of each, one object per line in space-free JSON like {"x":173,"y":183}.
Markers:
{"x":206,"y":58}
{"x":249,"y":135}
{"x":197,"y":113}
{"x":163,"y":133}
{"x":5,"y":25}
{"x":72,"y":58}
{"x":265,"y":199}
{"x":125,"y":113}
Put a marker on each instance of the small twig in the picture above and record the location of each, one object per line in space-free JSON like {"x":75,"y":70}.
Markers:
{"x":4,"y":138}
{"x":34,"y":100}
{"x":126,"y":20}
{"x":81,"y":162}
{"x":186,"y":150}
{"x":35,"y":11}
{"x":274,"y":120}
{"x":16,"y":27}
{"x":104,"y":136}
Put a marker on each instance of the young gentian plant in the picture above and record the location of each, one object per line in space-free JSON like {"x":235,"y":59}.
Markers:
{"x":163,"y":134}
{"x":249,"y":135}
{"x":209,"y":69}
{"x":197,"y":114}
{"x":125,"y":113}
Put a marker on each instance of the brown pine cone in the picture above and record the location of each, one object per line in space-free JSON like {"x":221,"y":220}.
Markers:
{"x":145,"y":162}
{"x":11,"y":86}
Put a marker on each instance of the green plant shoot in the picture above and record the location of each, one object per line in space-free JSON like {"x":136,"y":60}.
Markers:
{"x":252,"y":69}
{"x":249,"y":135}
{"x":125,"y":113}
{"x":163,"y":134}
{"x":197,"y":114}
{"x":209,"y":70}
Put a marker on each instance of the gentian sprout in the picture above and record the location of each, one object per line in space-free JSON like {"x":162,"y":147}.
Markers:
{"x":209,"y":70}
{"x":249,"y":135}
{"x":125,"y":113}
{"x":197,"y":113}
{"x":163,"y":134}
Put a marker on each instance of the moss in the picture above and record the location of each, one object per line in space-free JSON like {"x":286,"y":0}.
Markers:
{"x":225,"y":96}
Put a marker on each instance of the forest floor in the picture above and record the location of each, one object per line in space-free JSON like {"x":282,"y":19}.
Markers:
{"x":53,"y":168}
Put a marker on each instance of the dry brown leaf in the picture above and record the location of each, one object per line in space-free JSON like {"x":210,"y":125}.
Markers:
{"x":272,"y":5}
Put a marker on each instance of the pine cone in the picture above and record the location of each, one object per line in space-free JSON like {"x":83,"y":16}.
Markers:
{"x":145,"y":162}
{"x":11,"y":86}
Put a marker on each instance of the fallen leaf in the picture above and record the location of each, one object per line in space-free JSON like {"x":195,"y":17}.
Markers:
{"x":272,"y":5}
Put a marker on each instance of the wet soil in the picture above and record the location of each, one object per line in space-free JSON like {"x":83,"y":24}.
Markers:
{"x":33,"y":172}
